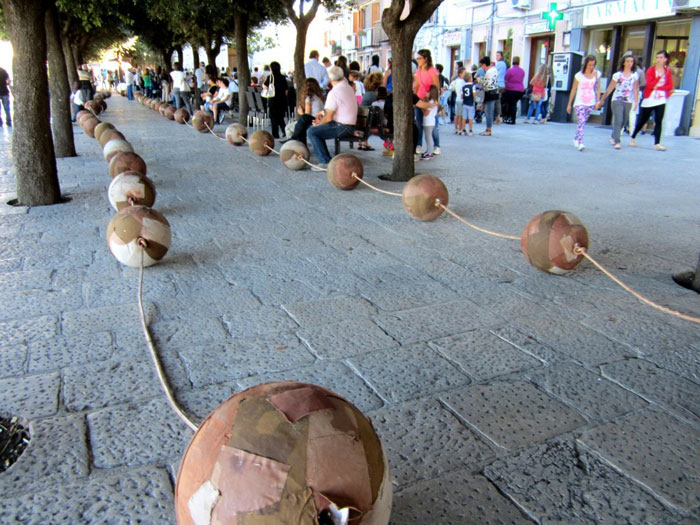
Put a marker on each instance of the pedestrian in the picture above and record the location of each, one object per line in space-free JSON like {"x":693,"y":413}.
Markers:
{"x":312,"y":69}
{"x":501,"y":67}
{"x":342,"y":63}
{"x":658,"y":89}
{"x":468,"y":102}
{"x":584,"y":94}
{"x":130,"y":84}
{"x":429,"y":120}
{"x":180,"y":96}
{"x":489,"y":84}
{"x":375,"y":67}
{"x":355,"y":79}
{"x":515,"y":90}
{"x":426,"y":75}
{"x":311,"y":96}
{"x":539,"y":84}
{"x":277,"y":104}
{"x":456,"y":86}
{"x":5,"y":96}
{"x":338,"y":118}
{"x":625,"y":98}
{"x":387,"y":78}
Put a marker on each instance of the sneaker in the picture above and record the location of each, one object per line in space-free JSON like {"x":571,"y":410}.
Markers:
{"x":436,"y":150}
{"x":426,"y":156}
{"x":526,"y":121}
{"x":612,"y":141}
{"x":659,"y":147}
{"x":575,"y":143}
{"x":457,"y":132}
{"x":617,"y":146}
{"x":419,"y":150}
{"x":416,"y":157}
{"x":580,"y":146}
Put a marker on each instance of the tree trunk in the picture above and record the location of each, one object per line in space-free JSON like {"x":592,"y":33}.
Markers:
{"x":71,"y":66}
{"x":241,"y":37}
{"x":302,"y":26}
{"x":212,"y":53}
{"x":60,"y":104}
{"x":180,"y":56}
{"x":77,"y":56}
{"x":32,"y":147}
{"x":402,"y":34}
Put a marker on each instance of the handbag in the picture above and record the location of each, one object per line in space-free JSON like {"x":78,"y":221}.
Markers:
{"x":536,"y":97}
{"x":269,"y":91}
{"x":491,"y":95}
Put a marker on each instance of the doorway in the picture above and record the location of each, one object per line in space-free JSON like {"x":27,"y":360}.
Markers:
{"x":540,"y":48}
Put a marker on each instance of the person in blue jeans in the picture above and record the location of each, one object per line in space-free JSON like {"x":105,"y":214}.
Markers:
{"x":539,"y":84}
{"x":338,"y":118}
{"x":5,"y":96}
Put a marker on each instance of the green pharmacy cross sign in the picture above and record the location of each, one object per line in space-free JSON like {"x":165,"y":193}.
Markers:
{"x":552,"y":16}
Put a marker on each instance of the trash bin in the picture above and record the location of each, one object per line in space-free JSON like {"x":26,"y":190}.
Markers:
{"x":674,"y":110}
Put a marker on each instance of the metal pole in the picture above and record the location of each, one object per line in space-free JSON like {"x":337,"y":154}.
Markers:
{"x":489,"y":44}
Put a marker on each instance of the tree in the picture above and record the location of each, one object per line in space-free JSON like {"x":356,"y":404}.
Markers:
{"x":60,"y":103}
{"x":301,"y":22}
{"x":32,"y":147}
{"x":402,"y":32}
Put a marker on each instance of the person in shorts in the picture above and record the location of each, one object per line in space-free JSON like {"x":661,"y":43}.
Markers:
{"x":468,"y":103}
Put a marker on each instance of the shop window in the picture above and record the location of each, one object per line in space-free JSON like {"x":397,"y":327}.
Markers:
{"x":633,"y":40}
{"x":599,"y":46}
{"x":674,"y":38}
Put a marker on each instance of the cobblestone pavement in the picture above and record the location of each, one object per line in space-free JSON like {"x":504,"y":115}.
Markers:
{"x":502,"y":394}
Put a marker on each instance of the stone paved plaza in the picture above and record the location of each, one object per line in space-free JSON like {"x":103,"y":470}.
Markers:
{"x":502,"y":394}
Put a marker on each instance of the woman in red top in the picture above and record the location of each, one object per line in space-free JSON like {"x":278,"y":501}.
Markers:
{"x":426,"y":76}
{"x":659,"y":88}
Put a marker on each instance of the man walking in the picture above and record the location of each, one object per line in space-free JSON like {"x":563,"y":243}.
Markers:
{"x":501,"y":67}
{"x":5,"y":96}
{"x":312,"y":69}
{"x":130,"y":84}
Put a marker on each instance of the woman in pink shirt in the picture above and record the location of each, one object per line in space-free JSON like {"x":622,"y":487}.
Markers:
{"x":426,"y":76}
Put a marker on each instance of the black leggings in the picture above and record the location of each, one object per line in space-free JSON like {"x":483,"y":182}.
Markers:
{"x":658,"y":120}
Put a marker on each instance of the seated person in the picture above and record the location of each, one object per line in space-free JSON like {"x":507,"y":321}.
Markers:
{"x":338,"y":118}
{"x":312,"y":95}
{"x":220,"y":95}
{"x":206,"y":96}
{"x":224,"y":102}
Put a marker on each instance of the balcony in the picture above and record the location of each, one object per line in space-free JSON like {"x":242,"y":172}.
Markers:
{"x":378,"y":34}
{"x":365,"y":37}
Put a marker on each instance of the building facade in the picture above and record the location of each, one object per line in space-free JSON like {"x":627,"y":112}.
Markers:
{"x":466,"y":30}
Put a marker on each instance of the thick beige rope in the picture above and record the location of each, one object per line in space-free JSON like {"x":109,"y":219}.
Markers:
{"x":212,"y":132}
{"x":502,"y":235}
{"x":356,"y":177}
{"x":273,"y":150}
{"x":582,"y":251}
{"x":313,"y":166}
{"x":151,"y":347}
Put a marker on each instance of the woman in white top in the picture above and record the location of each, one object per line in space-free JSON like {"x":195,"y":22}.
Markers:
{"x":586,"y":90}
{"x":625,"y":82}
{"x":178,"y":78}
{"x":312,"y":95}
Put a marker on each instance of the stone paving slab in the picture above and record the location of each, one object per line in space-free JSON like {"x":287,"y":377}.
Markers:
{"x":656,"y":450}
{"x":13,"y":360}
{"x":346,"y":338}
{"x":559,"y":482}
{"x":30,"y":397}
{"x":52,"y":353}
{"x":57,"y":454}
{"x":658,"y":385}
{"x":425,"y":440}
{"x":138,"y":496}
{"x":512,"y":414}
{"x":456,"y":498}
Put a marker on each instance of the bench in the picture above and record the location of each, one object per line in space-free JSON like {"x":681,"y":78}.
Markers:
{"x":359,"y":134}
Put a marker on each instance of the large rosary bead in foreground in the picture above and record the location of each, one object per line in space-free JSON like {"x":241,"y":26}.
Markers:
{"x":110,"y":134}
{"x":549,"y":239}
{"x":235,"y":134}
{"x":132,"y":224}
{"x":131,"y":188}
{"x":182,"y":115}
{"x":290,"y":153}
{"x":287,"y":453}
{"x":340,"y":171}
{"x":419,"y":195}
{"x":101,"y":128}
{"x":259,"y":141}
{"x":115,"y":146}
{"x":89,"y":126}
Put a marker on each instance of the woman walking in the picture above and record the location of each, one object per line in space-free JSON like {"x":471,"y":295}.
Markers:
{"x":538,"y":83}
{"x":625,"y":84}
{"x":277,"y":104}
{"x":659,"y":87}
{"x":586,"y":90}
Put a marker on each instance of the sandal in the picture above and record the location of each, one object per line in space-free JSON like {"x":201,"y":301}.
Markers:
{"x":485,"y":133}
